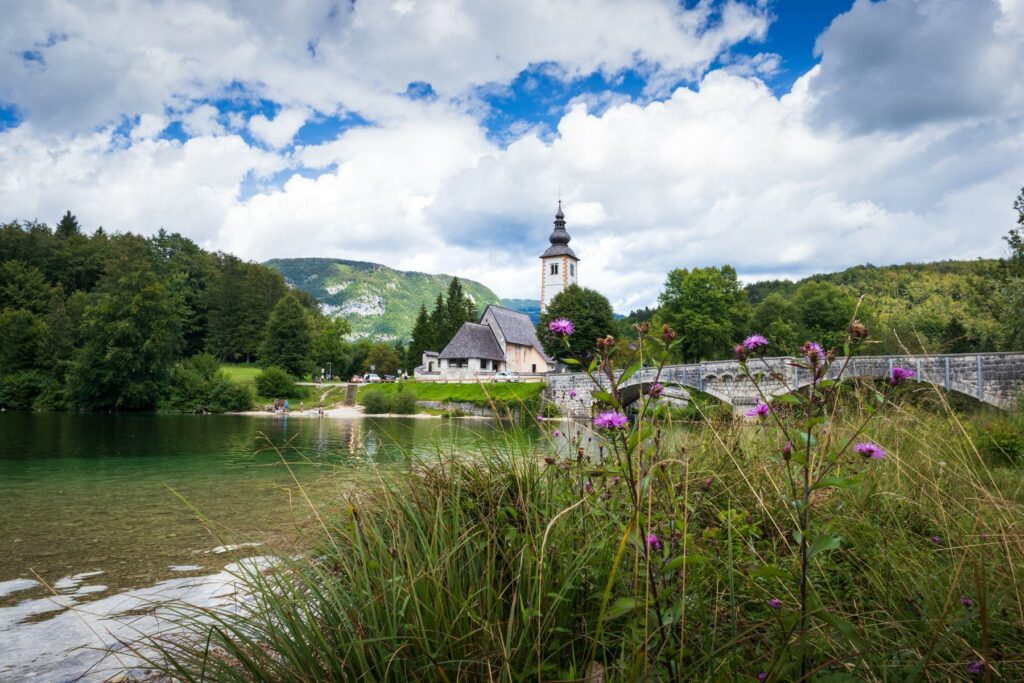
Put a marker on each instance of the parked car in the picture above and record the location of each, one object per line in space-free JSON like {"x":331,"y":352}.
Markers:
{"x":506,"y":377}
{"x":371,"y":378}
{"x":356,"y":379}
{"x":390,"y":378}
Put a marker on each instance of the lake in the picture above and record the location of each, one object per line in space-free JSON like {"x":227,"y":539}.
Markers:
{"x":102,"y":514}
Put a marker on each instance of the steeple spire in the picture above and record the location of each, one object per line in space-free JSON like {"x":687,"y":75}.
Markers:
{"x":560,"y":235}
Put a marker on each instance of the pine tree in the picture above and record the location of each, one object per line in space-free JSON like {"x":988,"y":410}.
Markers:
{"x":68,"y":226}
{"x":288,"y":338}
{"x":437,"y":325}
{"x":422,"y":337}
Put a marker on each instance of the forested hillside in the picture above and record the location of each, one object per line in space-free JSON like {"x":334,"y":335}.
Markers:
{"x":378,"y":302}
{"x":101,"y":321}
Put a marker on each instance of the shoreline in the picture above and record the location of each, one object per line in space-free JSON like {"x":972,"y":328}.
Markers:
{"x":352,"y":413}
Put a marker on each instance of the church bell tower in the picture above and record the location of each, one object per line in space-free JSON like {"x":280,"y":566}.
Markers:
{"x":559,"y":264}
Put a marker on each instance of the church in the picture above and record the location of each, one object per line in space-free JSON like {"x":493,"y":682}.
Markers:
{"x":505,"y":340}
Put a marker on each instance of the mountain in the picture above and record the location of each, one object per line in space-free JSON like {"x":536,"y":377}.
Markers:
{"x":530,"y":307}
{"x":380,"y":303}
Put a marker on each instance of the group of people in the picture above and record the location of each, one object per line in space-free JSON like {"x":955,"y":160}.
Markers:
{"x":282,"y":407}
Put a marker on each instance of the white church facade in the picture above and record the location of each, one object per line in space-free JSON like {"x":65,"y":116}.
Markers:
{"x":505,"y":340}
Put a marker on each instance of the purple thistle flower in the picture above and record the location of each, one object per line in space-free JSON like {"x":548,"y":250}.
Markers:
{"x":616,"y":479}
{"x":900,"y":374}
{"x":653,"y":543}
{"x":787,"y":449}
{"x":610,"y":420}
{"x":936,"y":540}
{"x":655,"y":390}
{"x":540,"y":418}
{"x":762,"y":677}
{"x":976,"y":667}
{"x":755,"y":342}
{"x":573,"y":394}
{"x":966,"y":601}
{"x":775,"y":603}
{"x":760,"y":410}
{"x":561,"y":326}
{"x":589,"y":486}
{"x":741,"y":352}
{"x":556,"y":433}
{"x":812,"y":351}
{"x":870,"y":450}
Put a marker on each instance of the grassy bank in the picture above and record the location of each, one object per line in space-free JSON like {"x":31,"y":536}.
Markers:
{"x":503,"y":396}
{"x":499,"y":565}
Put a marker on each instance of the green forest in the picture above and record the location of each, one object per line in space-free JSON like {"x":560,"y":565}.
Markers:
{"x":116,"y":321}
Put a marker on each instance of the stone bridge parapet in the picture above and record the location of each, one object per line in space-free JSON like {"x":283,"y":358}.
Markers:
{"x":994,"y":378}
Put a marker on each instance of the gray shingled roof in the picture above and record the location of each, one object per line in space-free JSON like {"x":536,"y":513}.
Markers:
{"x":560,"y":250}
{"x":516,"y":328}
{"x":474,"y":341}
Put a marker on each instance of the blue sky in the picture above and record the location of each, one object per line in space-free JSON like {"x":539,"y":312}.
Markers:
{"x":435,"y":135}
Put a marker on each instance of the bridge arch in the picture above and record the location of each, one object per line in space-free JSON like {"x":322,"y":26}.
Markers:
{"x":630,"y":393}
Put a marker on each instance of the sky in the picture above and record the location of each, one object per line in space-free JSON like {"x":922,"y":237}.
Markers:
{"x":783,"y":137}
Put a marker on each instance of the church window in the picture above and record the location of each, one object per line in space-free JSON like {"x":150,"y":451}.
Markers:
{"x":554,"y":269}
{"x":572,"y":269}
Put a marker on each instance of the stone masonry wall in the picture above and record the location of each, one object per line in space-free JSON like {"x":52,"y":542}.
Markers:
{"x":995,"y":378}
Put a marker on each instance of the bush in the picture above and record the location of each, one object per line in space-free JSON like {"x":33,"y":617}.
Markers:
{"x":376,"y":401}
{"x":274,"y":382}
{"x":403,"y":403}
{"x":550,"y":409}
{"x":1000,"y":438}
{"x":197,"y":385}
{"x":19,"y":390}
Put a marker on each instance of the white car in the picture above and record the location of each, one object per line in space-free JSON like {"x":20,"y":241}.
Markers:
{"x":371,"y":378}
{"x":506,"y":377}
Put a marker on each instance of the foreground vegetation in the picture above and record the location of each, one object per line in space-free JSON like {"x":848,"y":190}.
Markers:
{"x":844,"y":534}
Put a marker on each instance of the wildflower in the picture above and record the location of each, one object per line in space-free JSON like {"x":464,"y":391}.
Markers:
{"x":755,"y":342}
{"x":857,"y":330}
{"x":610,"y":420}
{"x":966,"y":601}
{"x":813,"y":352}
{"x":870,"y":450}
{"x":707,"y":483}
{"x":667,"y":333}
{"x":775,"y":603}
{"x":787,"y":450}
{"x":589,"y":486}
{"x":762,"y":677}
{"x":549,"y":460}
{"x":760,"y":410}
{"x":741,"y":352}
{"x":556,"y":433}
{"x":653,"y":543}
{"x":976,"y":667}
{"x":900,"y":374}
{"x":644,"y":327}
{"x":573,"y":394}
{"x":540,"y":418}
{"x":936,"y":540}
{"x":606,"y":342}
{"x":561,"y":326}
{"x":616,"y":479}
{"x":655,"y":390}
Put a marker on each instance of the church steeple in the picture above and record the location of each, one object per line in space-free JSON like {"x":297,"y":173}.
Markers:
{"x":558,"y":263}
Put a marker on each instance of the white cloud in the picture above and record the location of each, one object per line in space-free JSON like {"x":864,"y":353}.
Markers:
{"x":869,"y":158}
{"x":280,"y":130}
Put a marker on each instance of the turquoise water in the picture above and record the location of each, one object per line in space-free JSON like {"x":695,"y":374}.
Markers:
{"x":139,"y":497}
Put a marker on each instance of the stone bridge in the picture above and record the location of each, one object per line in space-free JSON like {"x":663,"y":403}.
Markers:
{"x":994,"y":378}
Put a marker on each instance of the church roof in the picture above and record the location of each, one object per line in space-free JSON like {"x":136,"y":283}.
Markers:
{"x":516,"y":328}
{"x":560,"y":238}
{"x":473,"y":340}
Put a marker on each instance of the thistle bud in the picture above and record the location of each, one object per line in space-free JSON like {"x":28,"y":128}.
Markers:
{"x":667,"y":333}
{"x":858,"y":330}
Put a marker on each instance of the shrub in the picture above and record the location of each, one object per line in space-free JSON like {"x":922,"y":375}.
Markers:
{"x":197,"y":385}
{"x":1000,"y":438}
{"x":376,"y":401}
{"x":19,"y":390}
{"x":403,"y":403}
{"x":274,"y":382}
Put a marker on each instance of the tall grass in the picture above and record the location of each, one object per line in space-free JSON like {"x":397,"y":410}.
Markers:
{"x":495,"y":567}
{"x":655,"y":552}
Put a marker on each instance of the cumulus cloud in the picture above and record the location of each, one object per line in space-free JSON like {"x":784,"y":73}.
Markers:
{"x":901,"y":63}
{"x":901,"y":145}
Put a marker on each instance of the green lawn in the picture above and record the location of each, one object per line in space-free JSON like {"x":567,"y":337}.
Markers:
{"x":471,"y":393}
{"x":241,"y":372}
